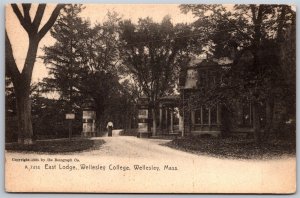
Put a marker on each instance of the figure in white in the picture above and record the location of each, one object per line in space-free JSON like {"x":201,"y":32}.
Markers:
{"x":109,"y":127}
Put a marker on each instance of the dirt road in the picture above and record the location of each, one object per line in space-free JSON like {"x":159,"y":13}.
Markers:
{"x":132,"y":164}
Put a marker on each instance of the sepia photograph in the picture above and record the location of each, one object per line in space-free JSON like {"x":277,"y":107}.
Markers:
{"x":150,"y":98}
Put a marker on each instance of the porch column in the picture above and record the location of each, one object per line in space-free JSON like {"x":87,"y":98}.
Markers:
{"x":201,"y":115}
{"x":172,"y":127}
{"x":193,"y":119}
{"x":167,"y":127}
{"x":180,"y":123}
{"x":160,"y":118}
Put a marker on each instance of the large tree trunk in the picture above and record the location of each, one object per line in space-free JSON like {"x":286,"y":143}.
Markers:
{"x":23,"y":103}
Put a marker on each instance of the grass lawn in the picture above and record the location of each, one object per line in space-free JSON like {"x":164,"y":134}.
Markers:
{"x":236,"y":148}
{"x":57,"y":146}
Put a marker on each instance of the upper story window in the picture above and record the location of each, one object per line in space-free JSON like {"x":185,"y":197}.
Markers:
{"x":208,"y":78}
{"x":212,"y":78}
{"x":202,"y":79}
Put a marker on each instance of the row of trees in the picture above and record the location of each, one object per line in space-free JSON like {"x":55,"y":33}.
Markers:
{"x":83,"y":64}
{"x":113,"y":63}
{"x":89,"y":61}
{"x":117,"y":61}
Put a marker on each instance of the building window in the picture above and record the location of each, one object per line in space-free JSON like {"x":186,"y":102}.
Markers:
{"x":213,"y":115}
{"x":202,"y":79}
{"x":143,"y":113}
{"x":247,"y":114}
{"x":262,"y":115}
{"x":198,"y":116}
{"x":212,"y":79}
{"x":205,"y":114}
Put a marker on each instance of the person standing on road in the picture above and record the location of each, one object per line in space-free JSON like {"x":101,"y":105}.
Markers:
{"x":109,"y":127}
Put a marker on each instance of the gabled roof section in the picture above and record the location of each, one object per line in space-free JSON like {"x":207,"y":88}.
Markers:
{"x":189,"y":75}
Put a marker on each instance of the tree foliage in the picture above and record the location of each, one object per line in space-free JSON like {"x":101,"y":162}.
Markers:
{"x":83,"y":63}
{"x":253,"y":36}
{"x":64,"y":58}
{"x":152,"y":52}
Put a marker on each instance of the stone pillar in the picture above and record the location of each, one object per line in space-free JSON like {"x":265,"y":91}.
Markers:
{"x":88,"y":119}
{"x":160,"y":118}
{"x":143,"y":122}
{"x":89,"y":124}
{"x":143,"y":118}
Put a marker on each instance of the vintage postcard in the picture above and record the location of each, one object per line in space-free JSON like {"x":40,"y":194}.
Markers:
{"x":150,"y":98}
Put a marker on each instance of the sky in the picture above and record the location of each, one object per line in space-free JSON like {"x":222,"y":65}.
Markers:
{"x":93,"y":12}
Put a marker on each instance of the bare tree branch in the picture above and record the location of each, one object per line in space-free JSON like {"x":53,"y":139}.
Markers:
{"x":20,"y":16}
{"x":26,"y":9}
{"x":51,"y":21}
{"x":39,"y":15}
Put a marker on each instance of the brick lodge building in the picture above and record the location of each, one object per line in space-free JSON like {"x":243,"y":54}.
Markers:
{"x":184,"y":114}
